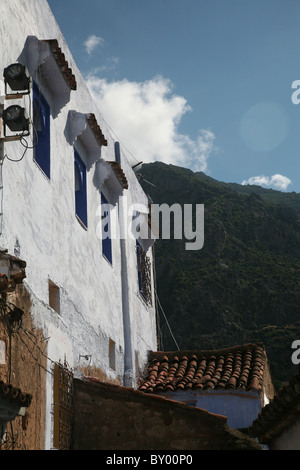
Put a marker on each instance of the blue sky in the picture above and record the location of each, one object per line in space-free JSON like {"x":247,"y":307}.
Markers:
{"x":204,"y":84}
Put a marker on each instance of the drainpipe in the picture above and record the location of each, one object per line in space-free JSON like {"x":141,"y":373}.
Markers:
{"x":128,"y":379}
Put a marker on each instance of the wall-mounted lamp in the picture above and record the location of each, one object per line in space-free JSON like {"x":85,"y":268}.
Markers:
{"x":14,"y":118}
{"x":11,"y":316}
{"x":15,"y":315}
{"x":15,"y":76}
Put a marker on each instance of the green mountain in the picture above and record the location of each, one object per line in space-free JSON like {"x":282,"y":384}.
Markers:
{"x":244,"y":284}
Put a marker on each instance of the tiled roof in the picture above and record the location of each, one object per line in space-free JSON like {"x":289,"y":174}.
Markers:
{"x":240,"y":367}
{"x":8,"y":392}
{"x":279,"y":414}
{"x":119,"y":174}
{"x":91,"y":119}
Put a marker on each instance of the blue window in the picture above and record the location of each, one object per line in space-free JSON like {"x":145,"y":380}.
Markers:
{"x":41,"y":123}
{"x":106,"y":229}
{"x":80,"y":188}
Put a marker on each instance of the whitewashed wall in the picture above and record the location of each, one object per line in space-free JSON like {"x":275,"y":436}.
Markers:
{"x":39,"y":221}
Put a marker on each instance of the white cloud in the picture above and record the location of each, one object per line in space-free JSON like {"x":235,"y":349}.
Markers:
{"x":277,"y":181}
{"x":145,"y":117}
{"x":92,"y":42}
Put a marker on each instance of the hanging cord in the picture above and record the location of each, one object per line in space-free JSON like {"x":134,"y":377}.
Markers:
{"x":157,"y":302}
{"x":25,"y":144}
{"x":167,"y":322}
{"x":23,"y":141}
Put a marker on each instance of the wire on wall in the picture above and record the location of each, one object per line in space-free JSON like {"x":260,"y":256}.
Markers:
{"x":27,"y":333}
{"x":26,"y":146}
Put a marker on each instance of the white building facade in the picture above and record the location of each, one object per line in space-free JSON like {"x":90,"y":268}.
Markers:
{"x":86,"y":293}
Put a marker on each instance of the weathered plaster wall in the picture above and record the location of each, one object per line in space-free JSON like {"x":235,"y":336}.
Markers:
{"x":109,"y":417}
{"x":39,"y":222}
{"x":24,"y":366}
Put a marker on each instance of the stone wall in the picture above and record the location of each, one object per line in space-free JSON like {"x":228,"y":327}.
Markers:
{"x":109,"y":417}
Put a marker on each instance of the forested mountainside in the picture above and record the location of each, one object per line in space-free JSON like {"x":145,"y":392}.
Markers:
{"x":244,"y":284}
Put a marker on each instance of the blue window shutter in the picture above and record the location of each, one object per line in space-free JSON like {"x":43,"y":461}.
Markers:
{"x":80,"y":188}
{"x":41,"y":122}
{"x":106,"y":241}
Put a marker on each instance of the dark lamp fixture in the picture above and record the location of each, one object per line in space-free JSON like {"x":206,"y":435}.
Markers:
{"x":15,"y":76}
{"x":16,"y":314}
{"x":14,"y":318}
{"x":14,"y":118}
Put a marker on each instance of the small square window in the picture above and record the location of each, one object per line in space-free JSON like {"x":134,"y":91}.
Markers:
{"x":54,"y":296}
{"x":112,"y":354}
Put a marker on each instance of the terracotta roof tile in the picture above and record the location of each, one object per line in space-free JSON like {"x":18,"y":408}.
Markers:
{"x":91,"y":119}
{"x":62,"y":63}
{"x":119,"y":174}
{"x":7,"y":391}
{"x":240,"y":367}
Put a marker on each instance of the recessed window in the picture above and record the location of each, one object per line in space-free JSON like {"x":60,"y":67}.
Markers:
{"x":144,"y":274}
{"x":80,"y":188}
{"x":112,"y":354}
{"x":54,"y":296}
{"x":41,"y":124}
{"x":106,"y":229}
{"x":2,"y":352}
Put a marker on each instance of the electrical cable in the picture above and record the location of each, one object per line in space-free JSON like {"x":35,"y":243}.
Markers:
{"x":25,"y":144}
{"x":157,"y":301}
{"x":167,"y":322}
{"x":120,"y":141}
{"x":31,"y":354}
{"x":27,"y":332}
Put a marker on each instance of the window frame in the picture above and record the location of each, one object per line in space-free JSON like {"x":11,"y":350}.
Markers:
{"x":81,"y":211}
{"x":112,"y":354}
{"x":42,"y":147}
{"x":144,"y":271}
{"x":54,"y":296}
{"x":107,"y":241}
